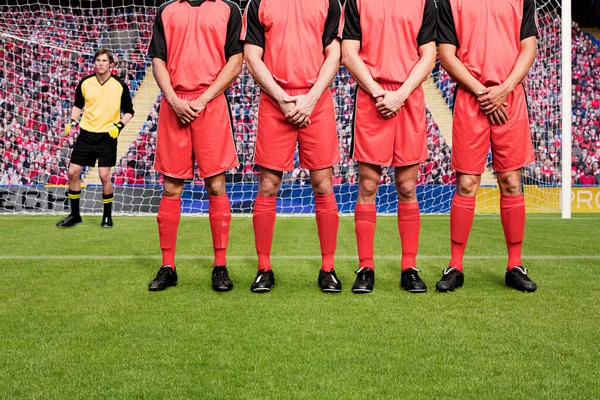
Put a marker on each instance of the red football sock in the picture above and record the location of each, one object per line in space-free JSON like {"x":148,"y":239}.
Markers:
{"x":409,"y":226}
{"x":169,"y":214}
{"x":512,"y":214}
{"x":219,"y":213}
{"x":461,"y":221}
{"x":263,"y":221}
{"x":328,"y":221}
{"x":365,"y":219}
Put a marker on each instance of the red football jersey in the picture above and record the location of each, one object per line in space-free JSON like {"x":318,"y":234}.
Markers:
{"x":390,"y":34}
{"x":196,"y":38}
{"x":487,"y":33}
{"x":293,"y":35}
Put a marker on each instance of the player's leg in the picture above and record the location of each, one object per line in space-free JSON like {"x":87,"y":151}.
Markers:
{"x":173,"y":159}
{"x":471,"y":132}
{"x":512,"y":149}
{"x":219,"y":214}
{"x":409,"y":227}
{"x":263,"y":222}
{"x":74,"y":217}
{"x":212,"y":137}
{"x":275,"y":145}
{"x":462,"y":213}
{"x":107,"y":197}
{"x":365,"y":220}
{"x":318,"y":151}
{"x":410,"y":149}
{"x":512,"y":215}
{"x":328,"y":221}
{"x":169,"y":215}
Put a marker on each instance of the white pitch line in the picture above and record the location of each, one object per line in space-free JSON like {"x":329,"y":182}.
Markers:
{"x":275,"y":257}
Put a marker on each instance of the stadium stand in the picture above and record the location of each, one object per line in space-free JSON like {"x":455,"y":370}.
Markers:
{"x":37,"y":85}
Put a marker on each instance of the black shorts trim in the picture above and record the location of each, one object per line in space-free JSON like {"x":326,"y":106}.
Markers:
{"x":92,"y":146}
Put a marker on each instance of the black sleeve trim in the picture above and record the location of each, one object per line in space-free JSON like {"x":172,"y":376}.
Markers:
{"x":254,"y":31}
{"x":158,"y":44}
{"x":332,"y":23}
{"x":233,"y":44}
{"x":429,"y":27}
{"x":446,"y":31}
{"x":79,"y":98}
{"x":351,"y":29}
{"x":126,"y":103}
{"x":528,"y":25}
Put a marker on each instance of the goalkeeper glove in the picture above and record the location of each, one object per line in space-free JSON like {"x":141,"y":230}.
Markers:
{"x":70,"y":125}
{"x":115,"y":129}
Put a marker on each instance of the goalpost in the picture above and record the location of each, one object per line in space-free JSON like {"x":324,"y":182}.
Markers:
{"x":46,"y":48}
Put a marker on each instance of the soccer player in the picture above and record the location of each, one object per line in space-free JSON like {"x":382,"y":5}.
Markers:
{"x":292,"y":51}
{"x":196,"y":53}
{"x":389,"y":48}
{"x":487,"y":47}
{"x":102,"y":97}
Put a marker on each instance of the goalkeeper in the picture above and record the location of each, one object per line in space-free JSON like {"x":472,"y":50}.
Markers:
{"x":104,"y":97}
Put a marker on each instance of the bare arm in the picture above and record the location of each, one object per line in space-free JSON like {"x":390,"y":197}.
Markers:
{"x":305,"y":104}
{"x":261,"y":74}
{"x":182,"y":108}
{"x":457,"y":70}
{"x":360,"y":72}
{"x":227,"y":75}
{"x":126,"y":118}
{"x":264,"y":78}
{"x":391,"y":102}
{"x":75,"y":113}
{"x":461,"y":75}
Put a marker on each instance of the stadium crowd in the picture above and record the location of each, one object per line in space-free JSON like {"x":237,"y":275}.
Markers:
{"x":44,"y":53}
{"x":45,"y":56}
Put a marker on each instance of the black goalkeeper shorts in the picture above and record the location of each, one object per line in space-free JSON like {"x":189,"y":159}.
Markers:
{"x":92,"y":146}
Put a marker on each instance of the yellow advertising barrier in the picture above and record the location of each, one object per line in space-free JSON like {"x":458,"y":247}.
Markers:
{"x":542,"y":199}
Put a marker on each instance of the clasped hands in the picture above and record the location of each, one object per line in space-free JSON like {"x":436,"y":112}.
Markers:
{"x":297,"y":109}
{"x":492,"y":101}
{"x":187,"y":111}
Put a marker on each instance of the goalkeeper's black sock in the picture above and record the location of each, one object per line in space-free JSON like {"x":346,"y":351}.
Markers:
{"x":74,"y":196}
{"x":107,"y":200}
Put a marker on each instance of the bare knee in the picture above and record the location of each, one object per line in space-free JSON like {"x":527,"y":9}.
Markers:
{"x":407,"y":190}
{"x":269,"y":182}
{"x":172,"y":187}
{"x":322,"y":186}
{"x":467,"y":185}
{"x":215,"y":185}
{"x":74,"y":174}
{"x":104,"y":178}
{"x":510,"y":183}
{"x":367,"y":188}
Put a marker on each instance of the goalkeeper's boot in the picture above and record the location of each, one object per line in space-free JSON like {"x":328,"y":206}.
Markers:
{"x":220,"y":279}
{"x":412,"y":282}
{"x":69,"y":221}
{"x":452,"y":278}
{"x":365,"y":279}
{"x":328,"y":282}
{"x":517,"y":278}
{"x":106,"y":221}
{"x":166,"y":276}
{"x":264,"y":281}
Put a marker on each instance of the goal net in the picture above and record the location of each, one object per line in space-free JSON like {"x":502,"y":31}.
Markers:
{"x":46,"y":48}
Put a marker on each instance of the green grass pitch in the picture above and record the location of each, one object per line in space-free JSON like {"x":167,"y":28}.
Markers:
{"x":77,"y":321}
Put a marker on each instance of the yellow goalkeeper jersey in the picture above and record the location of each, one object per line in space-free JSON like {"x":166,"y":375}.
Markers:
{"x":102,"y":103}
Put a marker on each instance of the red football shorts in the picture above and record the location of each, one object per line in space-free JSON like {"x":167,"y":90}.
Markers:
{"x":398,"y":141}
{"x":208,"y":140}
{"x":472,"y":133}
{"x":276,"y":138}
